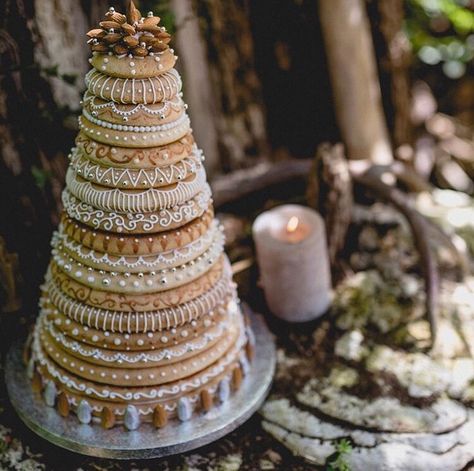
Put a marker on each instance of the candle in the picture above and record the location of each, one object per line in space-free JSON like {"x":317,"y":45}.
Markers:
{"x":293,"y":258}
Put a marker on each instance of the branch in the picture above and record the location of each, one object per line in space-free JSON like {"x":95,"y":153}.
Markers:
{"x":420,"y":227}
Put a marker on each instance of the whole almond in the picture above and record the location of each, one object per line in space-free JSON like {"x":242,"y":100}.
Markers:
{"x":236,"y":378}
{"x":250,"y":350}
{"x":206,"y":400}
{"x":109,"y":24}
{"x":146,"y":40}
{"x":130,"y":41}
{"x":164,"y":37}
{"x":118,"y":17}
{"x":63,"y":404}
{"x":120,"y":49}
{"x":96,"y":33}
{"x":133,"y":14}
{"x":152,"y":21}
{"x":112,"y":38}
{"x":107,"y":418}
{"x":129,"y":29}
{"x":150,"y":28}
{"x":139,"y":51}
{"x":99,"y":48}
{"x":159,"y":47}
{"x":160,"y":417}
{"x":36,"y":382}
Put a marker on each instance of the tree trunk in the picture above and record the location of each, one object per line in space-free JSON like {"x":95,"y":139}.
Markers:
{"x":240,"y":118}
{"x":354,"y":79}
{"x":397,"y":62}
{"x":43,"y":58}
{"x":199,"y":94}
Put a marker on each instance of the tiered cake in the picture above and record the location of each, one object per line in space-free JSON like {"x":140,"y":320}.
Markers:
{"x":139,"y":317}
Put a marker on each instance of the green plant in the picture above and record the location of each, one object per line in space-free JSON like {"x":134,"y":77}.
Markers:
{"x":337,"y":461}
{"x":442,"y":32}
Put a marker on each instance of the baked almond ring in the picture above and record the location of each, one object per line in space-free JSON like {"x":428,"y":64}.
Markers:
{"x":137,"y":302}
{"x":68,"y":249}
{"x":134,"y":115}
{"x":134,"y":91}
{"x":137,"y":223}
{"x":132,"y":179}
{"x":131,"y":359}
{"x":134,"y":67}
{"x":145,"y":399}
{"x":135,"y":201}
{"x":130,"y":322}
{"x":135,"y":341}
{"x":146,"y":410}
{"x":134,"y":136}
{"x":137,"y":244}
{"x":117,"y":375}
{"x":135,"y":158}
{"x":141,"y":282}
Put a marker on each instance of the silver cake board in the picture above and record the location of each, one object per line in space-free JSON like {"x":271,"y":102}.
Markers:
{"x":146,"y":442}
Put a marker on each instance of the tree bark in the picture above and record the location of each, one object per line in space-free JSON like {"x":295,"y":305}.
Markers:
{"x":199,"y":94}
{"x":354,"y":80}
{"x":240,"y":117}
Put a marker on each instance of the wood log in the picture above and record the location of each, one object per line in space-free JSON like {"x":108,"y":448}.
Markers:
{"x":355,"y":83}
{"x":330,"y":193}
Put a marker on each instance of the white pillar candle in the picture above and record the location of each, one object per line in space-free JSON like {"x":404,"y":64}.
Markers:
{"x":294,"y":265}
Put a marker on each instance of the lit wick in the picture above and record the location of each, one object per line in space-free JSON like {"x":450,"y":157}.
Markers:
{"x":292,"y":224}
{"x":295,"y":231}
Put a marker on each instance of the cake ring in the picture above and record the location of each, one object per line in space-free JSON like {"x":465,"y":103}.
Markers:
{"x":197,"y":392}
{"x":134,"y":67}
{"x":136,"y":244}
{"x":143,"y":281}
{"x":145,"y":322}
{"x":134,"y":115}
{"x":135,"y":158}
{"x":137,"y":223}
{"x":136,"y":136}
{"x":132,"y":263}
{"x":134,"y":91}
{"x":126,"y":178}
{"x":135,"y":201}
{"x":127,"y":358}
{"x":136,"y":302}
{"x":135,"y":341}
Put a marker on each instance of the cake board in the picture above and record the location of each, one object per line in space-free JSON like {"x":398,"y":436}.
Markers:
{"x":146,"y":442}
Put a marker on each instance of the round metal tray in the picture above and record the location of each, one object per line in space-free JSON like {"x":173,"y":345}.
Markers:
{"x":147,"y":441}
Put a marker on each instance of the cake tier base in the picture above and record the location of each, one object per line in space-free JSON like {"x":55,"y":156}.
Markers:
{"x":146,"y":442}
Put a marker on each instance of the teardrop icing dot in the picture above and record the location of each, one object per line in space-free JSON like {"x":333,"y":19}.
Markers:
{"x":50,"y":393}
{"x":184,"y":409}
{"x":84,"y":412}
{"x":131,"y":419}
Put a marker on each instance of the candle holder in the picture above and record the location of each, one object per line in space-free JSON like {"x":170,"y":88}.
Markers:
{"x":293,"y":258}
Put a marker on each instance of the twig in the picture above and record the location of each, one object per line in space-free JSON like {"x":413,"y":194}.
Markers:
{"x":419,"y":226}
{"x":241,"y":183}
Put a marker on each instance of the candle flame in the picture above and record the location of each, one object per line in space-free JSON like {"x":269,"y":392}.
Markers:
{"x":292,"y":224}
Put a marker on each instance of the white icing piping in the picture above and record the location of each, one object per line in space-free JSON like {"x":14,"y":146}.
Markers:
{"x":99,"y":319}
{"x":130,"y":201}
{"x":132,"y":128}
{"x":142,"y":357}
{"x":171,"y":258}
{"x":105,"y":393}
{"x":117,"y":222}
{"x":154,"y":85}
{"x":148,"y":177}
